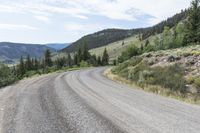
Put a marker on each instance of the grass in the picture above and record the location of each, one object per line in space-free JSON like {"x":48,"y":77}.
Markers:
{"x":138,"y":70}
{"x":183,"y":51}
{"x":189,"y":98}
{"x":115,"y":49}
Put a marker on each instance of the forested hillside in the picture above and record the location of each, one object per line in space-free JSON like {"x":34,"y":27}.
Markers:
{"x":105,"y":37}
{"x":99,"y":39}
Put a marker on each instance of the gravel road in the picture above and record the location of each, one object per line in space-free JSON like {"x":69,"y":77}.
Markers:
{"x":85,"y":101}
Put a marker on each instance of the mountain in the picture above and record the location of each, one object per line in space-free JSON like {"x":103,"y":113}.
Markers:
{"x":99,"y":39}
{"x":103,"y":38}
{"x":58,"y":46}
{"x":9,"y":52}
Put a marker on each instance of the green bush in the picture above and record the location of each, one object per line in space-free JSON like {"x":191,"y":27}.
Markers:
{"x":171,"y":77}
{"x":197,"y":82}
{"x":129,"y":53}
{"x":31,"y":73}
{"x":7,"y":76}
{"x":84,"y":64}
{"x":134,"y":61}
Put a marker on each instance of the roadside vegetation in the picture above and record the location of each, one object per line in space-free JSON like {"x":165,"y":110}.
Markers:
{"x":28,"y":66}
{"x":171,"y":64}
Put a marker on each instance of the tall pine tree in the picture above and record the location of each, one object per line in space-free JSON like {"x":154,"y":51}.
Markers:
{"x":86,"y":54}
{"x":69,"y":60}
{"x":47,"y":59}
{"x":28,"y":63}
{"x":105,"y":57}
{"x":193,"y":23}
{"x":21,"y":67}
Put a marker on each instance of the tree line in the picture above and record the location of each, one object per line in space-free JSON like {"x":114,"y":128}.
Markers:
{"x":81,"y":58}
{"x":30,"y":66}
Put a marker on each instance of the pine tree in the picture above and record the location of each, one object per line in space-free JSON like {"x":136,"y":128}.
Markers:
{"x":21,"y":67}
{"x":36,"y":64}
{"x":79,"y":55}
{"x":86,"y":54}
{"x":47,"y":60}
{"x":193,"y":23}
{"x":99,"y":62}
{"x":28,"y":63}
{"x":105,"y":57}
{"x":69,"y":60}
{"x":76,"y":62}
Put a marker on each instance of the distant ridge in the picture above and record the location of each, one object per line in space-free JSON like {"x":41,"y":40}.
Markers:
{"x":58,"y":46}
{"x":9,"y":52}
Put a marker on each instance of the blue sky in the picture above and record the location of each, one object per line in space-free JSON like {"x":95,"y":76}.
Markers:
{"x":49,"y":21}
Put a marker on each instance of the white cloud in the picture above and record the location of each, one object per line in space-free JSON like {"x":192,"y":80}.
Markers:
{"x":16,"y":27}
{"x":43,"y":19}
{"x":78,"y":27}
{"x":113,"y":9}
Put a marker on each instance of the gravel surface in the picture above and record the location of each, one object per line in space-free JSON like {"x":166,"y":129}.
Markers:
{"x":85,"y":101}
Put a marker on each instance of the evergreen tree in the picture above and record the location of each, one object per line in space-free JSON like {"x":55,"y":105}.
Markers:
{"x":28,"y":63}
{"x":32,"y":64}
{"x":79,"y":56}
{"x":36,"y":64}
{"x":86,"y":54}
{"x":93,"y":60}
{"x":69,"y":60}
{"x":99,"y":62}
{"x":76,"y":62}
{"x":60,"y":62}
{"x":105,"y":57}
{"x":21,"y":67}
{"x":193,"y":23}
{"x":47,"y":60}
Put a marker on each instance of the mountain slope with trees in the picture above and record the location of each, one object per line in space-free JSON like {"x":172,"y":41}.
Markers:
{"x":103,"y":38}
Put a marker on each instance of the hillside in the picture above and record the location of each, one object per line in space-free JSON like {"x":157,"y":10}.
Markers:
{"x":105,"y":37}
{"x":58,"y":46}
{"x":116,"y":48}
{"x":174,"y":73}
{"x":99,"y":39}
{"x":9,"y":52}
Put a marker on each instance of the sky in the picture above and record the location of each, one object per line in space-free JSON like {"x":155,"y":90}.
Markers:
{"x":64,"y":21}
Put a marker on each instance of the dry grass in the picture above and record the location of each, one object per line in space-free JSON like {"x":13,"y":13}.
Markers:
{"x":188,"y":98}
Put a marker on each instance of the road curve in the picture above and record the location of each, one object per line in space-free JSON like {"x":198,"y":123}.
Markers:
{"x":85,"y":101}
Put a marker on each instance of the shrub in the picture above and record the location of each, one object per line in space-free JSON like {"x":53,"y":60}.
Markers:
{"x":31,"y":73}
{"x":128,"y":53}
{"x":7,"y":76}
{"x":197,"y":82}
{"x":171,"y":77}
{"x":84,"y":64}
